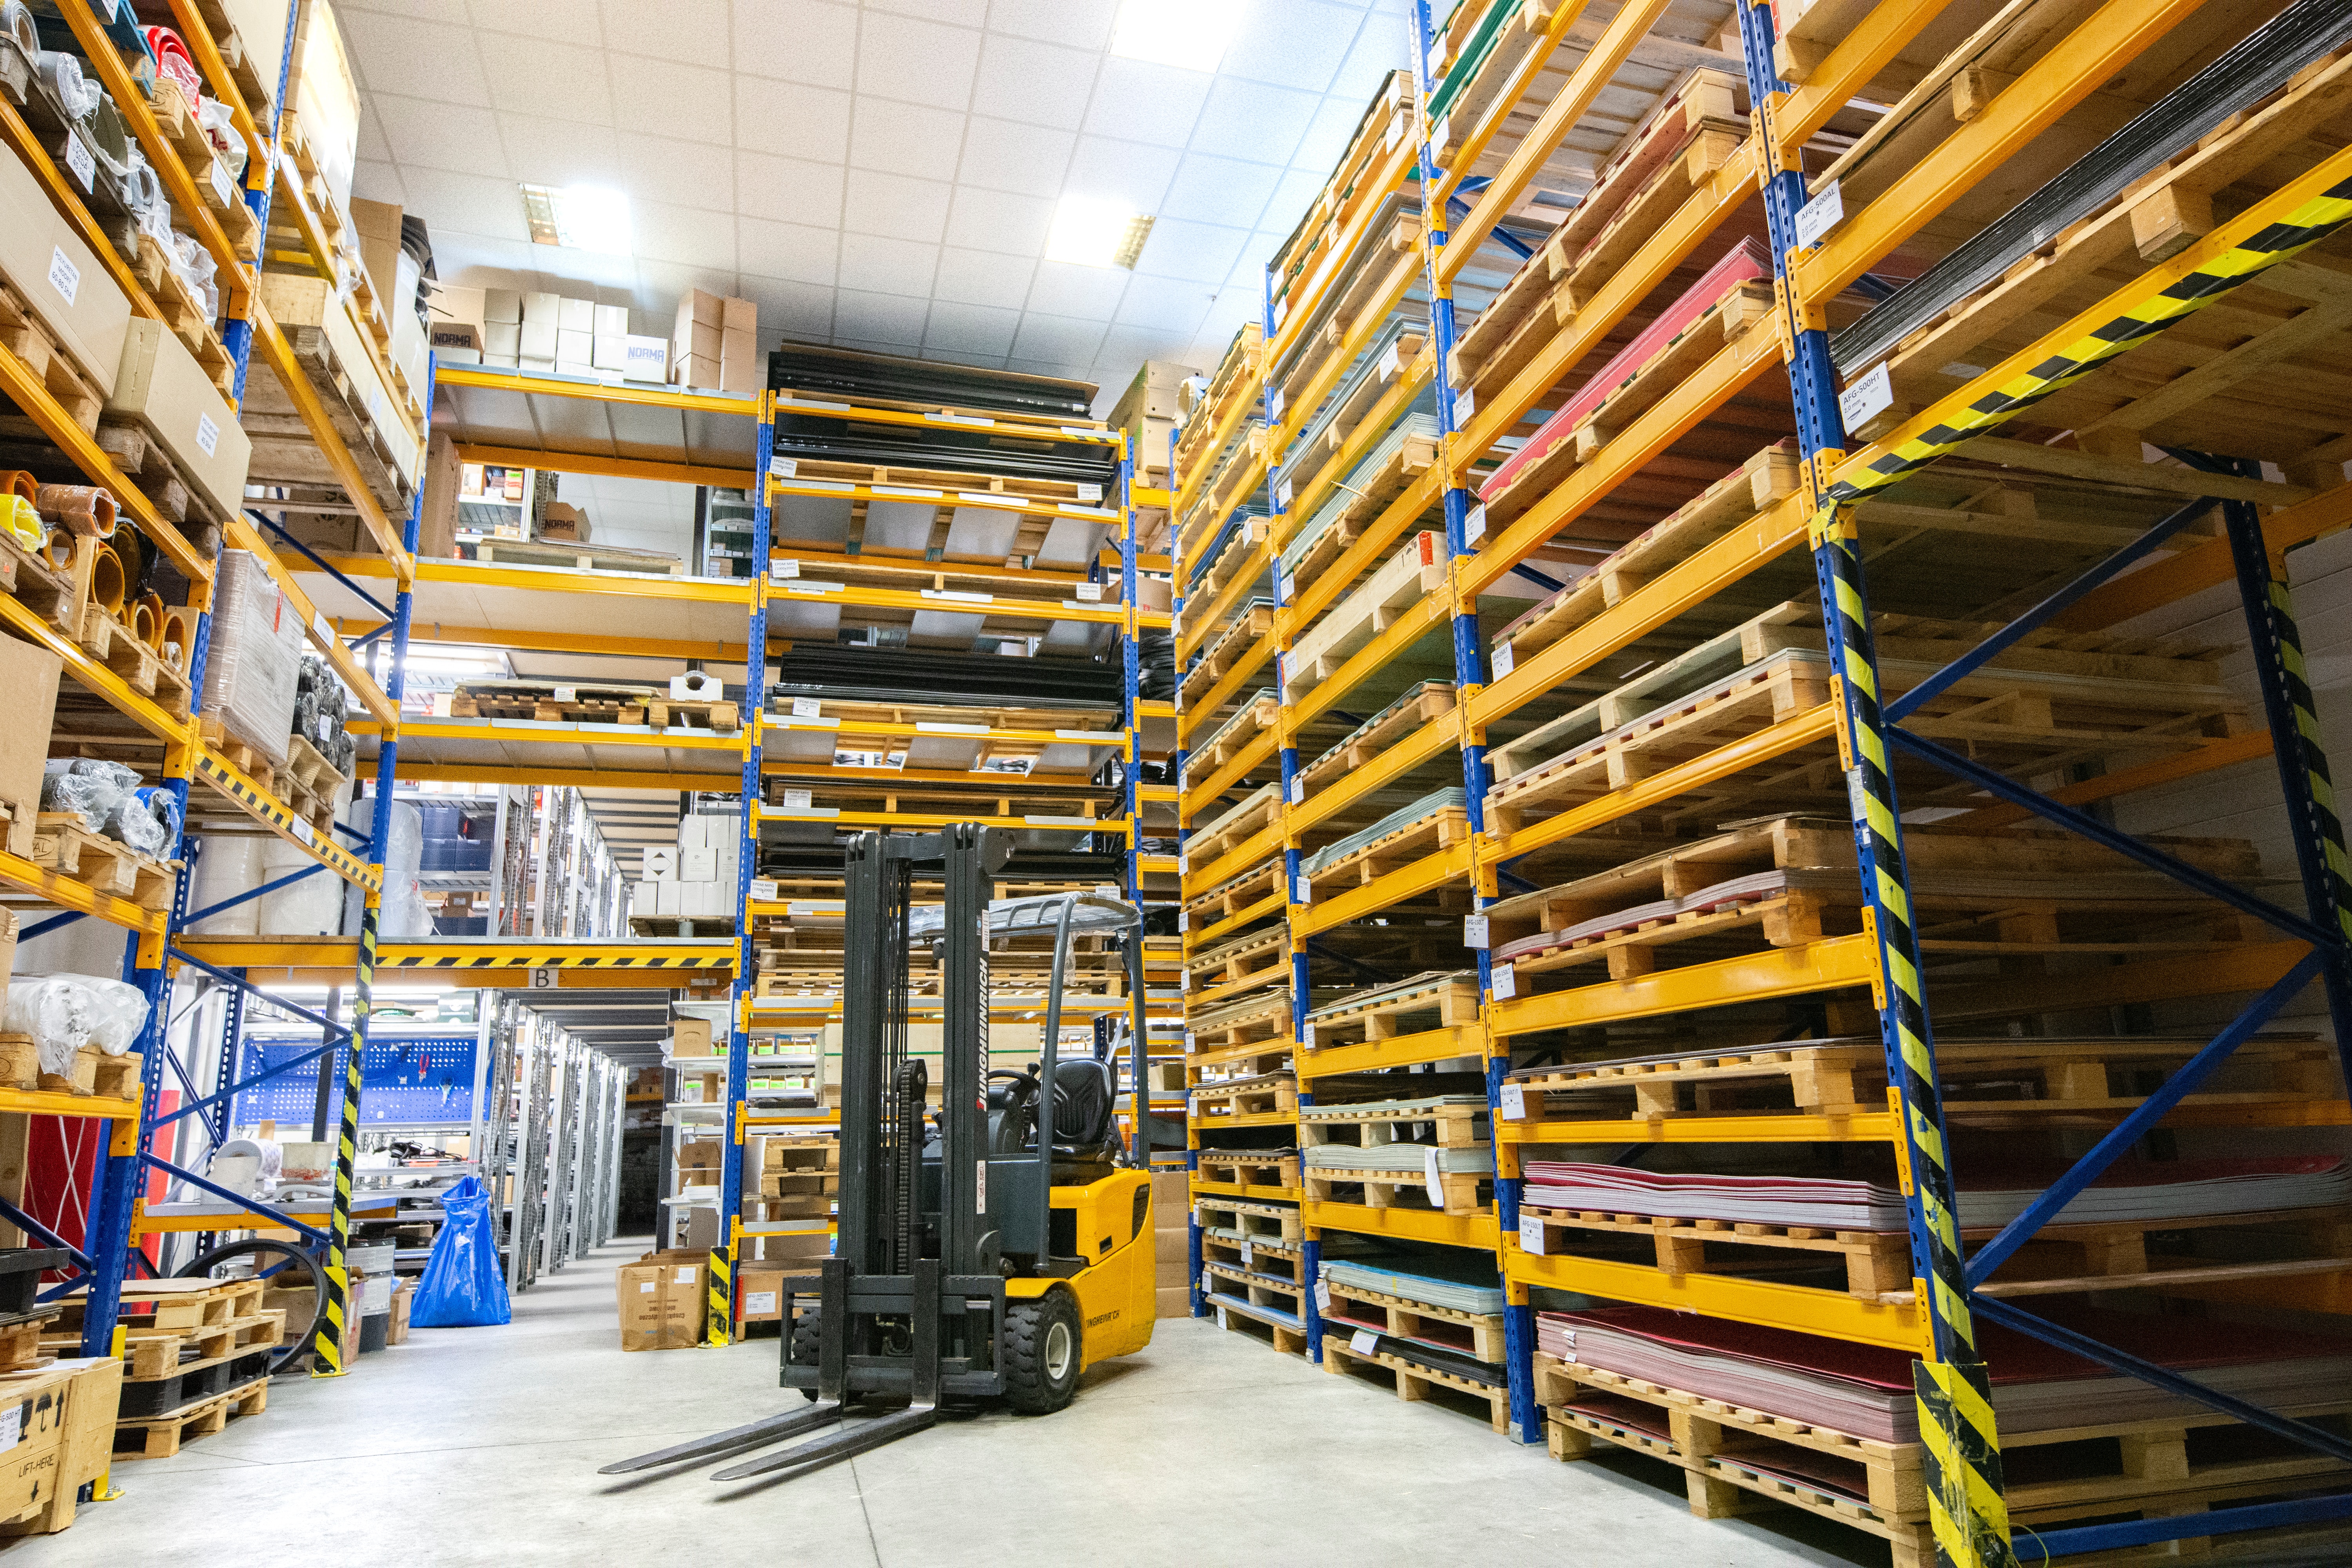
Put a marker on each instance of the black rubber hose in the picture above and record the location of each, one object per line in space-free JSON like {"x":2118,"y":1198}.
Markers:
{"x":290,"y":1257}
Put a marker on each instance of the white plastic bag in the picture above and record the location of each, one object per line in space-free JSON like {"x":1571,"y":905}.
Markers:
{"x":64,"y":1013}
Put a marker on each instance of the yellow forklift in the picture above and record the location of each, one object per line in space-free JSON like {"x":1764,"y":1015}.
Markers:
{"x":996,"y":1247}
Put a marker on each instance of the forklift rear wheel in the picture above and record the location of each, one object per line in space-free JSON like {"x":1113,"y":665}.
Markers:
{"x":1040,"y":1352}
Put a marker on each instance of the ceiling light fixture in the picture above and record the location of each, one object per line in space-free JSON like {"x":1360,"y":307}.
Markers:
{"x":578,"y":217}
{"x":1191,"y":35}
{"x":1089,"y":231}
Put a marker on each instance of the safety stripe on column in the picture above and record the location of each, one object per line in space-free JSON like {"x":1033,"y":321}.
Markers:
{"x":333,"y":1349}
{"x":2326,"y":826}
{"x":1960,"y":1463}
{"x":719,"y":1328}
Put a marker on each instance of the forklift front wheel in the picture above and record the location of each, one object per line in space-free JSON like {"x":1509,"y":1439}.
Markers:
{"x":1040,"y":1352}
{"x":805,"y":1342}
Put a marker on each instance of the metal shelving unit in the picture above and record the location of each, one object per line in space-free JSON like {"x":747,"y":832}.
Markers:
{"x":1476,"y":129}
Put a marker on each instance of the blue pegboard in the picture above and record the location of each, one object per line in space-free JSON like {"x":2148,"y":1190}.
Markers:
{"x":406,"y":1080}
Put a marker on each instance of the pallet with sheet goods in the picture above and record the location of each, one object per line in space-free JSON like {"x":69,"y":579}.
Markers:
{"x":1768,"y":546}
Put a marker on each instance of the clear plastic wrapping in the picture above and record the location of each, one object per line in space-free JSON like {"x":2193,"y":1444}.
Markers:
{"x":403,"y":916}
{"x":89,"y":788}
{"x":256,"y":657}
{"x":64,"y":1013}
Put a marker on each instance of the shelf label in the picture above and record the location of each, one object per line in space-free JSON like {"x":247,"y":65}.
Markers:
{"x":1473,"y":526}
{"x":1185,"y":979}
{"x":1301,"y":890}
{"x":798,"y":800}
{"x":221,"y":187}
{"x":323,"y":629}
{"x":567,"y":694}
{"x":1274,"y":404}
{"x":1284,"y":591}
{"x":1364,"y":1341}
{"x":1297,"y":789}
{"x":1819,"y":216}
{"x":1440,"y":134}
{"x":1090,"y":592}
{"x":1323,"y":1296}
{"x":764,"y":889}
{"x":207,"y":434}
{"x":1090,"y":494}
{"x":543,"y":977}
{"x":301,"y":830}
{"x":1505,"y":660}
{"x":782,"y":469}
{"x":1531,"y":1234}
{"x":1282,"y":496}
{"x":77,"y":159}
{"x":1249,"y":1257}
{"x":1474,"y":931}
{"x":1306,"y":1038}
{"x":1221,"y":1311}
{"x":1466,"y":404}
{"x":1183,"y":865}
{"x":1506,"y":981}
{"x":783,"y":570}
{"x":1183,"y":924}
{"x":1866,"y":397}
{"x":807,"y":707}
{"x":64,"y":276}
{"x":1514,"y":1102}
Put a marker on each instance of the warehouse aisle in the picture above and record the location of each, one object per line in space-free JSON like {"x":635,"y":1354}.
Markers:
{"x":480,"y":1446}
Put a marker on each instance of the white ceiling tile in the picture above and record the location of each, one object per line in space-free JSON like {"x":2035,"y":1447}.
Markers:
{"x":1378,"y":51}
{"x":1199,"y":252}
{"x":882,"y":318}
{"x":999,"y":220}
{"x":971,"y":330}
{"x":1064,"y":289}
{"x":800,"y":122}
{"x":1041,"y":83}
{"x":1249,"y":272}
{"x":659,"y":285}
{"x":570,"y":21}
{"x":1138,"y":101}
{"x":1218,"y":190}
{"x":477,"y":261}
{"x":1084,"y":22}
{"x":1054,"y":338}
{"x":1003,"y":156}
{"x":450,"y":11}
{"x":693,"y":236}
{"x":905,"y":138}
{"x":1131,"y":346}
{"x":1299,"y":43}
{"x":692,"y":31}
{"x":1250,"y":120}
{"x":794,"y":252}
{"x":1128,"y":171}
{"x":468,"y":201}
{"x":440,"y":135}
{"x":810,"y":41}
{"x":788,"y":308}
{"x":378,"y":183}
{"x":895,"y":205}
{"x":888,"y":266}
{"x":421,"y":59}
{"x":962,"y":13}
{"x":559,"y":81}
{"x":916,"y":61}
{"x":549,"y":152}
{"x":983,"y":277}
{"x":372,"y":147}
{"x":789,"y":189}
{"x":1169,"y":303}
{"x":654,"y":168}
{"x":689,"y":102}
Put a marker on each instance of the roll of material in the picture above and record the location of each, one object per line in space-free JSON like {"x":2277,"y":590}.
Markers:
{"x":16,"y":23}
{"x":106,"y":581}
{"x":228,"y":866}
{"x":311,"y":907}
{"x":84,"y":509}
{"x":17,"y":482}
{"x":61,"y":74}
{"x":59,"y":551}
{"x":23,"y":522}
{"x":179,"y":637}
{"x":150,"y":606}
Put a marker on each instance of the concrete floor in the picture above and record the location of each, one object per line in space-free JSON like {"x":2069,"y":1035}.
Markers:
{"x":480,"y":1446}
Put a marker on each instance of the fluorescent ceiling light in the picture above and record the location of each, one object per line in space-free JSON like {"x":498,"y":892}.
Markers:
{"x":1093,"y":232}
{"x":578,"y":217}
{"x":1192,"y":34}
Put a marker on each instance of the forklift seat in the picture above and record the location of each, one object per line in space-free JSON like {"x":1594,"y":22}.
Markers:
{"x":1085,"y":1113}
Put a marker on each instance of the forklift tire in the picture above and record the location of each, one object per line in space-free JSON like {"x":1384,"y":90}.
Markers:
{"x":804,"y":1341}
{"x":1040,"y":1352}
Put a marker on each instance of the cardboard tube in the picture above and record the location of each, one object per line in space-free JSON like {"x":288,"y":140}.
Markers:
{"x":179,"y":636}
{"x":151,"y":604}
{"x":85,"y":509}
{"x":59,"y":551}
{"x":17,"y":482}
{"x":106,"y":586}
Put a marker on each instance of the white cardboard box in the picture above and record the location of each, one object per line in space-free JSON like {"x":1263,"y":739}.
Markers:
{"x":574,"y":347}
{"x":576,"y":316}
{"x":665,"y":898}
{"x":612,"y":351}
{"x":647,"y":359}
{"x":538,"y":308}
{"x":611,"y":322}
{"x":661,"y":865}
{"x":698,"y":865}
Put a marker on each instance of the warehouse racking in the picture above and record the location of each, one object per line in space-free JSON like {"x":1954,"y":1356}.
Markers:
{"x":1617,"y":643}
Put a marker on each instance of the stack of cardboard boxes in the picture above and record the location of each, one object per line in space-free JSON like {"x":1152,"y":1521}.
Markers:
{"x":1171,"y":1218}
{"x":662,"y":1298}
{"x":1147,"y":412}
{"x":717,"y":344}
{"x":697,"y":880}
{"x":543,"y":332}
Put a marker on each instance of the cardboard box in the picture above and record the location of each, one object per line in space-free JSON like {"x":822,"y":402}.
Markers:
{"x":698,"y":305}
{"x":662,"y":1298}
{"x":693,"y":370}
{"x":32,"y":1467}
{"x":446,"y":337}
{"x":739,"y":315}
{"x":402,"y":1299}
{"x":503,"y":338}
{"x":1152,"y":394}
{"x":646,"y":358}
{"x":28,"y":674}
{"x":447,"y":302}
{"x":758,"y":1295}
{"x":1171,"y":1198}
{"x":696,"y":340}
{"x":538,"y":341}
{"x":576,"y":315}
{"x":740,"y":366}
{"x":690,"y":1037}
{"x":1172,"y":1245}
{"x":158,"y":383}
{"x":58,"y":278}
{"x":325,"y":98}
{"x":542,"y":309}
{"x":803,"y":1249}
{"x":572,"y":346}
{"x":698,"y":865}
{"x":378,"y":223}
{"x":612,"y":320}
{"x":501,"y":306}
{"x":703,"y":1155}
{"x":1172,"y":1301}
{"x":609,"y":350}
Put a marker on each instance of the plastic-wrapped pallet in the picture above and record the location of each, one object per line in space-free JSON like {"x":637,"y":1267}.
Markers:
{"x":255,"y":656}
{"x":311,"y":907}
{"x":403,"y":915}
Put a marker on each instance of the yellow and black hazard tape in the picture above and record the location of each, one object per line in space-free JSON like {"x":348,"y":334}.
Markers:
{"x":720,"y":1327}
{"x":2327,"y":827}
{"x":267,"y":808}
{"x":718,"y":959}
{"x":333,"y":1348}
{"x":2193,"y":285}
{"x":1967,"y":1510}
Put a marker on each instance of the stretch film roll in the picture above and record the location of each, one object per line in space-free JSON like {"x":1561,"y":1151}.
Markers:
{"x":228,"y":866}
{"x":16,"y":23}
{"x":150,"y":606}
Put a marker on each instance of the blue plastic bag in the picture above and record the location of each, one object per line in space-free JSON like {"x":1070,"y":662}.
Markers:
{"x":463,"y":1287}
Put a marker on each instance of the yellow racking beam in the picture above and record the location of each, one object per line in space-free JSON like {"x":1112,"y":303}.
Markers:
{"x":1010,"y":425}
{"x":31,"y":394}
{"x":1425,"y":744}
{"x":506,"y":964}
{"x":1398,"y":1051}
{"x":1856,"y":1127}
{"x":1368,"y":432}
{"x":1408,"y":269}
{"x":1197,"y":715}
{"x":925,"y":819}
{"x":922,"y":730}
{"x":577,"y":778}
{"x":1294,"y":312}
{"x":94,"y":677}
{"x":1011,"y":608}
{"x":494,"y":378}
{"x":1434,"y":870}
{"x":2110,"y":39}
{"x":1197,"y":630}
{"x":51,"y":1102}
{"x":231,"y":784}
{"x":600,"y":467}
{"x":1463,"y":155}
{"x":1880,"y":35}
{"x":1568,"y":105}
{"x":79,"y":897}
{"x":1433,"y":610}
{"x":1826,"y":966}
{"x":1368,"y":552}
{"x":1474,"y":1230}
{"x":1202,"y":795}
{"x":1249,"y":852}
{"x":443,"y":633}
{"x":389,"y":537}
{"x":197,"y":35}
{"x":1831,"y":1313}
{"x":1269,"y":905}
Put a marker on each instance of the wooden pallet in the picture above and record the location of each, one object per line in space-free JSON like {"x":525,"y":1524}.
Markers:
{"x":310,"y":769}
{"x":1460,"y":1190}
{"x":30,"y":579}
{"x":1424,"y":704}
{"x":257,"y":89}
{"x":1256,"y":1286}
{"x":1252,"y":1021}
{"x":1236,"y":371}
{"x":157,"y":474}
{"x":894,"y":478}
{"x":642,"y":707}
{"x":553,"y":553}
{"x":46,"y":361}
{"x":23,"y":1345}
{"x":141,"y":667}
{"x":175,"y":118}
{"x":1302,"y":267}
{"x":155,"y":1354}
{"x":1366,"y":1127}
{"x":1278,"y":1264}
{"x":1257,"y":714}
{"x":1213,"y":1103}
{"x":1369,"y":408}
{"x":185,"y":315}
{"x":2038,"y":1076}
{"x":1415,"y":1383}
{"x":1241,"y":1168}
{"x":1257,"y":811}
{"x":381,"y":439}
{"x":179,"y":1306}
{"x":1231,"y":897}
{"x":1260,"y":955}
{"x":1213,"y":577}
{"x":1264,"y":1225}
{"x":1236,"y":1316}
{"x":160,"y":1436}
{"x":1368,"y":863}
{"x":1370,"y":495}
{"x":682,"y":927}
{"x":1249,"y":1058}
{"x":1407,"y":578}
{"x":240,"y":754}
{"x":1225,"y":652}
{"x":1733,"y":1455}
{"x":1366,"y":277}
{"x":1396,"y":1010}
{"x":1478,"y":1334}
{"x":62,"y":845}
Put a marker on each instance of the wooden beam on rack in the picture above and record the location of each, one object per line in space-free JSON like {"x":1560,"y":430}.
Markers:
{"x":28,"y":393}
{"x":1830,"y":964}
{"x":605,"y":467}
{"x":1568,"y":105}
{"x":1477,"y":1231}
{"x":1398,"y":1051}
{"x":1860,"y":56}
{"x":2203,"y":565}
{"x":1793,"y":1127}
{"x":1831,"y":1313}
{"x":271,"y":343}
{"x":1531,"y":65}
{"x":64,"y":891}
{"x":2074,"y":463}
{"x":94,"y":677}
{"x":2226,"y":971}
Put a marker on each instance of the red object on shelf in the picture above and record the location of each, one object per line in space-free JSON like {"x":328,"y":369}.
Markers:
{"x":172,"y":59}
